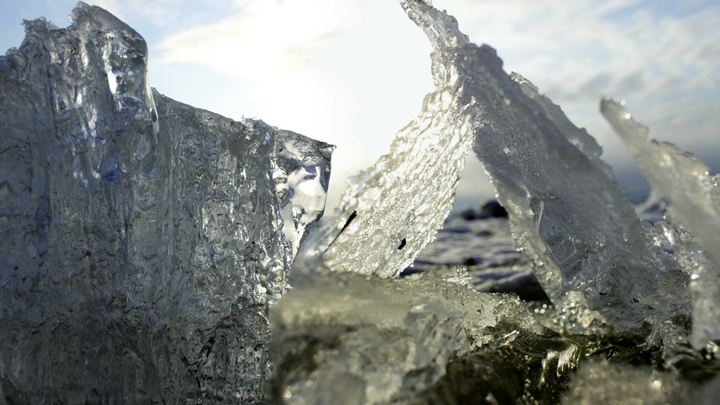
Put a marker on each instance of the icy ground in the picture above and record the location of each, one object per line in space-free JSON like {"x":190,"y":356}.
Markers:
{"x":480,"y":241}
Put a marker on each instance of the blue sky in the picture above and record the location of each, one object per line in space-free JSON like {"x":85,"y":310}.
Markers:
{"x":354,"y":72}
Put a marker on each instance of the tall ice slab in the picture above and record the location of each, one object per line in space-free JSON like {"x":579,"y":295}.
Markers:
{"x":142,"y":239}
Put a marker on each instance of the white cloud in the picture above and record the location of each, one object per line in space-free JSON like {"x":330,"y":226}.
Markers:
{"x":263,"y":38}
{"x":165,"y":14}
{"x":565,"y":45}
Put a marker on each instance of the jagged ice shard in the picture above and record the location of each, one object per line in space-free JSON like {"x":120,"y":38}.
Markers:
{"x":599,"y":263}
{"x":567,"y":211}
{"x":390,"y":211}
{"x":143,"y":240}
{"x":694,"y":199}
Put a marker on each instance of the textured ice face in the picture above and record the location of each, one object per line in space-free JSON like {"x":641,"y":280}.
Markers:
{"x":102,"y":84}
{"x":142,"y":238}
{"x":390,"y":211}
{"x":591,"y":253}
{"x":694,"y":199}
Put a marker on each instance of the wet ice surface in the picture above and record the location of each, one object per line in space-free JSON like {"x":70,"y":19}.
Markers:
{"x":601,"y":382}
{"x":427,"y":338}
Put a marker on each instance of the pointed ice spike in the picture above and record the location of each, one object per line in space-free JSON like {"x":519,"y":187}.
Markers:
{"x":567,"y":211}
{"x":694,"y":197}
{"x":403,"y":199}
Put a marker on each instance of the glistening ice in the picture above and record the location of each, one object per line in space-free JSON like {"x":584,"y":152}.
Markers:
{"x":157,"y":253}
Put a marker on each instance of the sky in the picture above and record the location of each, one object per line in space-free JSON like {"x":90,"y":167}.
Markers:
{"x":354,"y":72}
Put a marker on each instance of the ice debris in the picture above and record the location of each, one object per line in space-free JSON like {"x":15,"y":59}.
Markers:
{"x":600,"y":382}
{"x":142,"y":239}
{"x":615,"y":290}
{"x":348,"y":339}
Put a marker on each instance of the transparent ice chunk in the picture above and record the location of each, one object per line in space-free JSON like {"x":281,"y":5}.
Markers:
{"x":351,"y":339}
{"x":142,"y":238}
{"x":591,"y":253}
{"x":694,"y":197}
{"x":390,"y":211}
{"x":103,"y":84}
